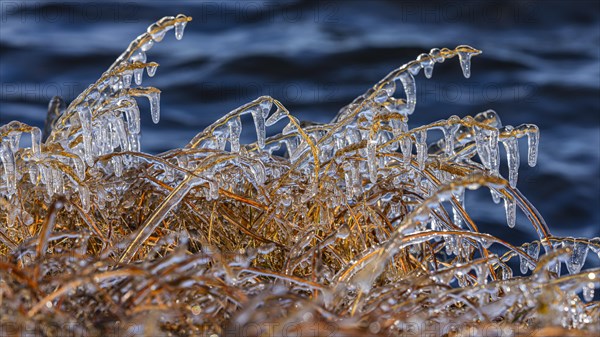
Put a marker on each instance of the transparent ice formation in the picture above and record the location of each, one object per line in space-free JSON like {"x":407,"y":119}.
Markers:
{"x":361,"y":225}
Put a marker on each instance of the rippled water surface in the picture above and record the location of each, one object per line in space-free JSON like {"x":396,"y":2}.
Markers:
{"x":541,"y":64}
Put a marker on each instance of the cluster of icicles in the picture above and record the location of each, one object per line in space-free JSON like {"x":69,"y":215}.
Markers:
{"x":357,"y":226}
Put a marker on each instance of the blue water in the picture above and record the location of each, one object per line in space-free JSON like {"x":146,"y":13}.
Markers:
{"x":541,"y":65}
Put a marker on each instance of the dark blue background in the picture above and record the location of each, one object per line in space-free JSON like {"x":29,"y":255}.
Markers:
{"x":541,"y":64}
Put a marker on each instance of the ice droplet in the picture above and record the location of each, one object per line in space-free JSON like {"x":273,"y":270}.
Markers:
{"x":156,"y":32}
{"x":343,"y":231}
{"x":414,"y":68}
{"x":436,"y":54}
{"x":588,"y":291}
{"x":179,"y":28}
{"x":426,"y":63}
{"x":266,"y":248}
{"x":146,"y":46}
{"x":151,"y":70}
{"x":138,"y":56}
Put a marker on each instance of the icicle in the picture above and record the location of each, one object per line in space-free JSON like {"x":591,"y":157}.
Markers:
{"x":533,"y":250}
{"x":104,"y":141}
{"x":465,"y":60}
{"x":57,"y":182}
{"x":510,"y":207}
{"x":179,"y":27}
{"x":36,"y":140}
{"x":385,"y":92}
{"x":122,"y":134}
{"x":494,"y":153}
{"x":523,"y":265}
{"x":410,"y":88}
{"x":138,"y":74}
{"x":278,"y":115}
{"x":421,"y":146}
{"x":310,"y":192}
{"x":13,"y":140}
{"x":554,"y":267}
{"x":512,"y":154}
{"x":482,"y":146}
{"x":117,"y":165}
{"x":10,"y":173}
{"x":112,"y":133}
{"x":79,"y":167}
{"x":577,"y":258}
{"x":259,"y":122}
{"x":257,"y":171}
{"x":127,"y":75}
{"x":426,"y":63}
{"x":154,"y":98}
{"x":371,"y":160}
{"x":235,"y":130}
{"x":456,"y":215}
{"x":265,"y":108}
{"x":213,"y":190}
{"x":533,"y":139}
{"x":183,"y":162}
{"x":132,"y":114}
{"x":405,"y":144}
{"x":169,"y":175}
{"x":49,"y":182}
{"x":133,"y":142}
{"x":85,"y":117}
{"x":356,"y":179}
{"x":495,"y":195}
{"x":449,"y":135}
{"x":151,"y":70}
{"x":84,"y":195}
{"x":33,"y":174}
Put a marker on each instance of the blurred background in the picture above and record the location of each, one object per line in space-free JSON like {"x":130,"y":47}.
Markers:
{"x":541,"y":65}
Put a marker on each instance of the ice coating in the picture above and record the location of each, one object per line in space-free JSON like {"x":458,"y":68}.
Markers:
{"x":351,"y":225}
